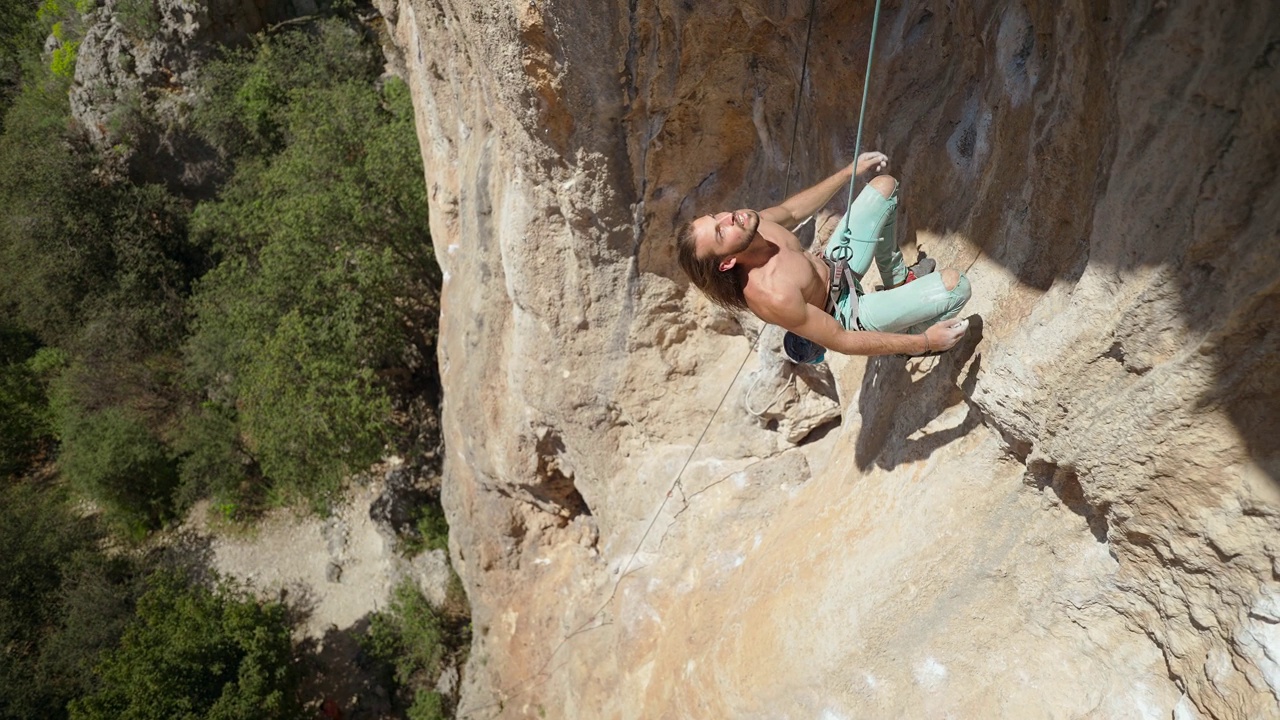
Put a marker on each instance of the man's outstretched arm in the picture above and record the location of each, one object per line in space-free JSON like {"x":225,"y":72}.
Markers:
{"x":807,"y":202}
{"x":790,"y":311}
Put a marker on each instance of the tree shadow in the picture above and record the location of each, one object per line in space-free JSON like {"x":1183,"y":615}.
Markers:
{"x":337,"y":675}
{"x":189,"y":554}
{"x":892,"y":405}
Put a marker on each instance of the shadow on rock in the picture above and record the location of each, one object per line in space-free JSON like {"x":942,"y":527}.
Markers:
{"x":893,"y":406}
{"x":1244,"y":346}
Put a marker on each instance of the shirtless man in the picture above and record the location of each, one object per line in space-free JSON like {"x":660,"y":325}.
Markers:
{"x":748,"y":260}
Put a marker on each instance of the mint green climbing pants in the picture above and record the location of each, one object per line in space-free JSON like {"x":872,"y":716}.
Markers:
{"x":866,"y":232}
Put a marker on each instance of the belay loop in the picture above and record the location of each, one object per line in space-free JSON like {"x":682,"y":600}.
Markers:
{"x":841,"y":252}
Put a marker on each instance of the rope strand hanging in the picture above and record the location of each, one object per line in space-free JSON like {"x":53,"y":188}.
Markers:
{"x":862,"y":112}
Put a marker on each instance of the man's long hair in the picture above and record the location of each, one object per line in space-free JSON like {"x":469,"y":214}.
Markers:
{"x":722,"y":288}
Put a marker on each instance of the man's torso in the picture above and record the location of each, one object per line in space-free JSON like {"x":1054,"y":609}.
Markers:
{"x":790,"y":269}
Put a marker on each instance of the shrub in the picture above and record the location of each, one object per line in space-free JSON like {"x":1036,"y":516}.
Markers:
{"x":99,"y":269}
{"x":20,"y":39}
{"x":431,"y":527}
{"x":427,"y":705}
{"x":409,"y":640}
{"x":249,"y":90}
{"x":24,"y":414}
{"x":91,"y":266}
{"x":138,"y":18}
{"x":195,"y":652}
{"x":313,"y":411}
{"x":412,"y":641}
{"x":213,"y":462}
{"x":46,"y":250}
{"x":62,"y":602}
{"x":112,"y":457}
{"x":63,"y":20}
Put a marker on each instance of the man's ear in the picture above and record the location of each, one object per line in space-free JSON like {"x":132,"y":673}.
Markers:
{"x":728,"y":263}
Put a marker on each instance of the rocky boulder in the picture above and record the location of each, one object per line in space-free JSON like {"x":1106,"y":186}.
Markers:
{"x":136,"y":74}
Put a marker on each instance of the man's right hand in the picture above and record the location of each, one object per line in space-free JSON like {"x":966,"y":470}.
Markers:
{"x":945,"y":335}
{"x":871,"y":161}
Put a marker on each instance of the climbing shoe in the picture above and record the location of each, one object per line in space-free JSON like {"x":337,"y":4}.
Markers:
{"x":801,"y":350}
{"x":924,"y":265}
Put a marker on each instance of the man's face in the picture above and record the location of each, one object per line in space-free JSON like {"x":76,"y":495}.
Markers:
{"x":725,"y":234}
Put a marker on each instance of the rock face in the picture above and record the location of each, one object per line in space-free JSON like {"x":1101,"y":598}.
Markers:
{"x":135,"y":74}
{"x":1074,"y":514}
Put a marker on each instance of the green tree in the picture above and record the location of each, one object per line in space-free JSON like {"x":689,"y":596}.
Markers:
{"x":249,"y":89}
{"x":410,"y":639}
{"x":110,"y":455}
{"x":99,"y":268}
{"x":278,"y":377}
{"x":62,"y":601}
{"x":326,"y":268}
{"x":19,"y":42}
{"x":195,"y":652}
{"x":213,"y":462}
{"x":91,"y":263}
{"x":50,"y":242}
{"x":24,"y":412}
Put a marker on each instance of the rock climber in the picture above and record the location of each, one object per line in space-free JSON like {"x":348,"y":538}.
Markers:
{"x":748,"y":260}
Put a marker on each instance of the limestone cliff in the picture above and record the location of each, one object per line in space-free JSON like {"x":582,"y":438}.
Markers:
{"x":1075,"y":514}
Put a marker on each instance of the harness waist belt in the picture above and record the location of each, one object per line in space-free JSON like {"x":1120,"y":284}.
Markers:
{"x":840,"y":279}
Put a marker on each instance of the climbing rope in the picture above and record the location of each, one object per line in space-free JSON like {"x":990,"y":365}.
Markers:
{"x":676,"y":483}
{"x":795,"y":112}
{"x":746,"y":399}
{"x":853,"y":179}
{"x":862,"y":112}
{"x":795,"y":121}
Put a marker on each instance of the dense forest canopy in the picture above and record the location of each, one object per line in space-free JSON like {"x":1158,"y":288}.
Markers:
{"x":254,"y":346}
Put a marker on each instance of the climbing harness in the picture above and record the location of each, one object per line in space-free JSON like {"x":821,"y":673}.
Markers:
{"x":841,"y":280}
